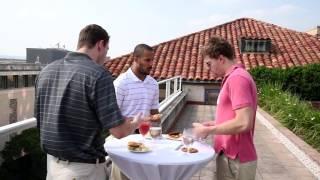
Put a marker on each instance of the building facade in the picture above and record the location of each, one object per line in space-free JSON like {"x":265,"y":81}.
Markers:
{"x":45,"y":56}
{"x":17,"y":82}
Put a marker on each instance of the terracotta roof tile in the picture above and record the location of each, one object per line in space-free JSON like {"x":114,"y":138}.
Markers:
{"x":182,"y":56}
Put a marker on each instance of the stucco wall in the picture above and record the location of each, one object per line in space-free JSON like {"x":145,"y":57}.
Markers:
{"x":25,"y":103}
{"x":196,"y":92}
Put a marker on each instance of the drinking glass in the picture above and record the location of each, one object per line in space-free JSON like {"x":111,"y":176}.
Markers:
{"x":144,"y":128}
{"x":187,"y":137}
{"x":155,"y":132}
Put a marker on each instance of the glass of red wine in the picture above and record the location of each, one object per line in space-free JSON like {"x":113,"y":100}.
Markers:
{"x":144,"y":128}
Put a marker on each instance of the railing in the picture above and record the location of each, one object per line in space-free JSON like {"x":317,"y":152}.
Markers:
{"x":18,"y":126}
{"x":171,"y":92}
{"x":8,"y":130}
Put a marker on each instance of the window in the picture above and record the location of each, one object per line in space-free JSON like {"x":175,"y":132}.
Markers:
{"x":33,"y":80}
{"x":211,"y":96}
{"x":21,"y":81}
{"x":10,"y":82}
{"x":255,"y":45}
{"x":3,"y":82}
{"x":25,"y":81}
{"x":15,"y":81}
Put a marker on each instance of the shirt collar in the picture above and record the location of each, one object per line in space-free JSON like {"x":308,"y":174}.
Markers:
{"x":135,"y":78}
{"x":230,"y":70}
{"x":77,"y":55}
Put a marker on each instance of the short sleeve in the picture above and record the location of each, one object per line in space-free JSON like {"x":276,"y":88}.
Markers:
{"x":120,"y":91}
{"x":240,"y":92}
{"x":155,"y":102}
{"x":105,"y":102}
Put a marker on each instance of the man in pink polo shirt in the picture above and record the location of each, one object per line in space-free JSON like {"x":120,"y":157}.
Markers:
{"x":233,"y":127}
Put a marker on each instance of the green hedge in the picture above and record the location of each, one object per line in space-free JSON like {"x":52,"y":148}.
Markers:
{"x":295,"y":114}
{"x":23,"y":157}
{"x":303,"y":81}
{"x":31,"y":166}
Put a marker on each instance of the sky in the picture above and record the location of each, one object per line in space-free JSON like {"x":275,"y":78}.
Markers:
{"x":45,"y":23}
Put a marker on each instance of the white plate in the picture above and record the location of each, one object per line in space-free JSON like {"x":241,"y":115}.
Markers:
{"x":172,"y":138}
{"x":143,"y":150}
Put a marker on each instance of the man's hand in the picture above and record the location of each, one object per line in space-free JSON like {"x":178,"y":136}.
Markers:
{"x":135,"y":122}
{"x":208,"y":123}
{"x":153,"y":118}
{"x":200,"y":130}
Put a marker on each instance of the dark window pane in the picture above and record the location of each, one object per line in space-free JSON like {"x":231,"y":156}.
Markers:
{"x":255,"y":45}
{"x":15,"y":81}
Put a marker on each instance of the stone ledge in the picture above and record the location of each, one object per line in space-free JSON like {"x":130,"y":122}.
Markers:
{"x":170,"y":114}
{"x":306,"y":148}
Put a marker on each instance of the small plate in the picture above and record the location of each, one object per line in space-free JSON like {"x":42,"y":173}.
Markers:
{"x":173,"y":138}
{"x":142,"y":150}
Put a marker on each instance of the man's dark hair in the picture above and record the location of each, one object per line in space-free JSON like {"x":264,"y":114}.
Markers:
{"x":139,"y":49}
{"x":91,"y":34}
{"x":218,"y":46}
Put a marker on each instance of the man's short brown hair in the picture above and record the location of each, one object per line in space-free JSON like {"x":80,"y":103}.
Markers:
{"x":91,"y":34}
{"x":218,"y":46}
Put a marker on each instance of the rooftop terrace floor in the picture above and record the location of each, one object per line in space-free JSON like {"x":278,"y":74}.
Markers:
{"x":275,"y":161}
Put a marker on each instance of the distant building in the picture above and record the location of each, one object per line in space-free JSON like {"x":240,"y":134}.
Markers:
{"x":315,"y":32}
{"x":11,"y":60}
{"x":17,"y":80}
{"x":45,"y":56}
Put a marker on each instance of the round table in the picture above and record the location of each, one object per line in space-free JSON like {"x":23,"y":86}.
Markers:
{"x":163,"y":162}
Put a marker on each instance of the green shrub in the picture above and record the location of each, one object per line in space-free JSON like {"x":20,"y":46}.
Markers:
{"x":303,"y":80}
{"x":295,"y":114}
{"x":23,"y":157}
{"x":33,"y":165}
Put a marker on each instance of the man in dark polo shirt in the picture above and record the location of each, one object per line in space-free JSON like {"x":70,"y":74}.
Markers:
{"x":74,"y":102}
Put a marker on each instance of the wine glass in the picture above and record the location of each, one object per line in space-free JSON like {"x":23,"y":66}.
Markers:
{"x":144,"y":128}
{"x":155,"y":130}
{"x":187,"y":137}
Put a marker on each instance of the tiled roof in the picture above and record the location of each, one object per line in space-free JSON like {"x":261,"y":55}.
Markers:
{"x":181,"y":56}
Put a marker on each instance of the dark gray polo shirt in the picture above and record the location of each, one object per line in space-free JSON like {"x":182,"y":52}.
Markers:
{"x":74,"y":101}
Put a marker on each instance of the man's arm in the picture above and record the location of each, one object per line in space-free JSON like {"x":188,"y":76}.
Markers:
{"x":120,"y":91}
{"x":155,"y":102}
{"x":124,"y":129}
{"x":35,"y":108}
{"x":107,"y":110}
{"x":241,"y":123}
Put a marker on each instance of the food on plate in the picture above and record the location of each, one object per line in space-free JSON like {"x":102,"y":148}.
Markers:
{"x":155,"y":117}
{"x":193,"y":150}
{"x":175,"y":135}
{"x":135,"y":146}
{"x":184,"y":149}
{"x":190,"y":150}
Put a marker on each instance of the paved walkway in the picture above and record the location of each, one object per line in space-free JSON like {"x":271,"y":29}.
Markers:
{"x":275,"y":162}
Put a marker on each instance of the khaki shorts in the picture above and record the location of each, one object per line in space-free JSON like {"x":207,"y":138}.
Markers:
{"x":63,"y":170}
{"x":116,"y":173}
{"x":229,"y":169}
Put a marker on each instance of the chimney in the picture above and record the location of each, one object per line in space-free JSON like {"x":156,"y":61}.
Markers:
{"x":315,"y":32}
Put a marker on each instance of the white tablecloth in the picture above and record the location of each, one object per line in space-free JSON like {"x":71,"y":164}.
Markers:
{"x":163,"y":162}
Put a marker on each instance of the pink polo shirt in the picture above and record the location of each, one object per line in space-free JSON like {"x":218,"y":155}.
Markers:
{"x":238,"y":91}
